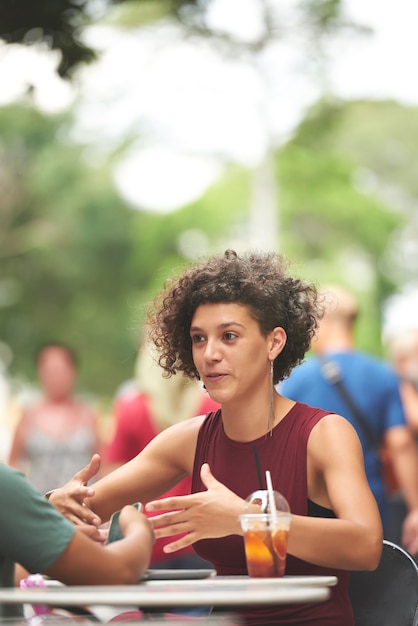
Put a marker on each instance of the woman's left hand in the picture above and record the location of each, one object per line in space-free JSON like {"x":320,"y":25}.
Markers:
{"x":203,"y":515}
{"x":69,"y":500}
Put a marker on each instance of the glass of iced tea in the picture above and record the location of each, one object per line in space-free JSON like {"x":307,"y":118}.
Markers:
{"x":265,"y":535}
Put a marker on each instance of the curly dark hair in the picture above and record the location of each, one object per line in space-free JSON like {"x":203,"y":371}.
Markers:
{"x":258,"y":280}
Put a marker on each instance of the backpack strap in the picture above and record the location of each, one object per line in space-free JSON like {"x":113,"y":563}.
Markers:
{"x":331,"y":371}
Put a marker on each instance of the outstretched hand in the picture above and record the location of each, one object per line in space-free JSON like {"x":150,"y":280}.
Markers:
{"x":70,"y":499}
{"x":203,"y":515}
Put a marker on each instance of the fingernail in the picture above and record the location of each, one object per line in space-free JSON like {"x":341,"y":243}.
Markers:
{"x":150,"y":506}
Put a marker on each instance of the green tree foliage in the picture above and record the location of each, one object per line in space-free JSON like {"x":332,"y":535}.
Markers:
{"x":339,"y":230}
{"x":384,"y":141}
{"x":66,"y":243}
{"x":164,"y":244}
{"x":58,"y":24}
{"x":55,"y":23}
{"x":77,"y":263}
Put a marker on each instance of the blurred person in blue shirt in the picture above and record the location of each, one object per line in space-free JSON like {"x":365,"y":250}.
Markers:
{"x":373,"y":388}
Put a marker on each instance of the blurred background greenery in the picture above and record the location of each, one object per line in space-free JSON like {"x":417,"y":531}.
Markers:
{"x":80,"y":262}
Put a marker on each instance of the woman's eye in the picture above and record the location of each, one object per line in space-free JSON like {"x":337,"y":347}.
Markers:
{"x":197,"y":338}
{"x":230,"y":336}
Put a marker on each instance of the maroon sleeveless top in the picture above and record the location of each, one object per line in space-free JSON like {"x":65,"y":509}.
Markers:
{"x":284,"y":454}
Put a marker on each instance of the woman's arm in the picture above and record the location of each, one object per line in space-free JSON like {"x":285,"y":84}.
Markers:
{"x":94,"y":421}
{"x":161,"y":465}
{"x":337,"y":480}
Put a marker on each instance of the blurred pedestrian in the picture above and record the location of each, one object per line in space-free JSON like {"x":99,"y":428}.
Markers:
{"x":340,"y":378}
{"x":402,"y":350}
{"x":57,"y":432}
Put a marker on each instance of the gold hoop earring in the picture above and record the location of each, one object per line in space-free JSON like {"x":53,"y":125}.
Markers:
{"x":271,"y":418}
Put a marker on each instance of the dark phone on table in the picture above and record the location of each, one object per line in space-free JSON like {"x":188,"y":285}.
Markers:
{"x":115,"y":533}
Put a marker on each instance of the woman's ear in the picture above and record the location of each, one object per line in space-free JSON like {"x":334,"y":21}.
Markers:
{"x":278,"y":341}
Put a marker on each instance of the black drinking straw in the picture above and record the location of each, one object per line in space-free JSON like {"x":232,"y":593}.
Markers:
{"x":257,"y":464}
{"x":260,"y":482}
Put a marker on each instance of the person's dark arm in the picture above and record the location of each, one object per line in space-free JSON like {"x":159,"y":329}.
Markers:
{"x":87,"y":562}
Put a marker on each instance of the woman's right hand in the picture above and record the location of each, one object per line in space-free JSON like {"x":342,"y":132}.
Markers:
{"x":70,"y":499}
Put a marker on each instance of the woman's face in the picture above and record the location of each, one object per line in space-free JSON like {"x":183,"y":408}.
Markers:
{"x":229,"y":351}
{"x":56,"y":372}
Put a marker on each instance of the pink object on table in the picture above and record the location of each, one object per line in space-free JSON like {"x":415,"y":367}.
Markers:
{"x":36,"y":580}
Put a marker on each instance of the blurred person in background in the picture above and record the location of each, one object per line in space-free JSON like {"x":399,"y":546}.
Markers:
{"x":339,"y":378}
{"x":402,"y":350}
{"x":57,"y":432}
{"x":8,"y":406}
{"x":139,"y":415}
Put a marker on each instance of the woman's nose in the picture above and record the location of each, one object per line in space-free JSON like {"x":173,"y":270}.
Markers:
{"x":212,"y":352}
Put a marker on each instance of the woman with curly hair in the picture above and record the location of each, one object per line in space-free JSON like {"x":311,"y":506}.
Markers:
{"x":240,"y":324}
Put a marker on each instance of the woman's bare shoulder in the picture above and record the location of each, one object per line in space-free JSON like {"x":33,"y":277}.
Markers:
{"x":333,"y":432}
{"x":186,"y":427}
{"x":175,"y":445}
{"x":333,"y":422}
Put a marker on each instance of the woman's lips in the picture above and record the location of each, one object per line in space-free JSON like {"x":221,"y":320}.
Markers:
{"x":215,"y":377}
